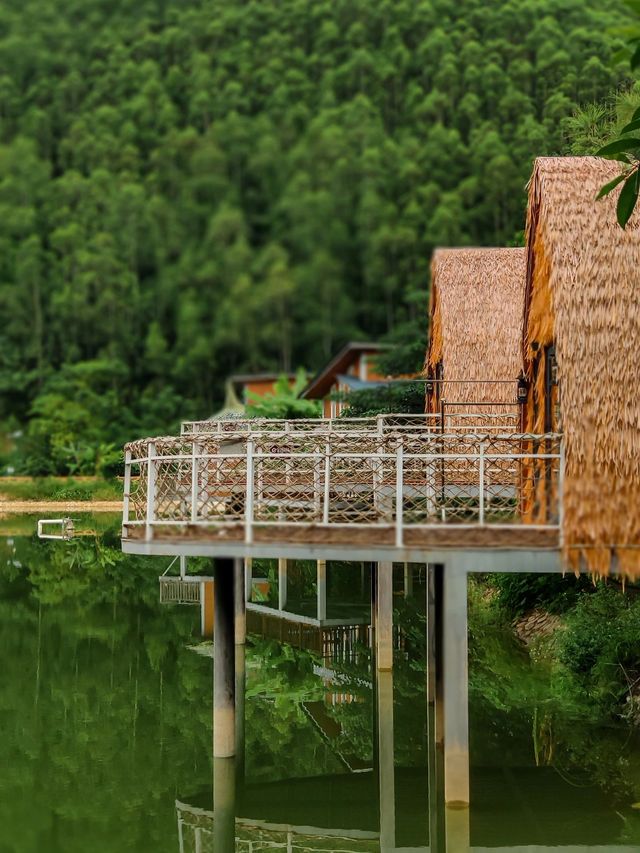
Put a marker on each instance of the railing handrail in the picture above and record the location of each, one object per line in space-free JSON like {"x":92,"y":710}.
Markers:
{"x":188,"y":442}
{"x":391,"y":420}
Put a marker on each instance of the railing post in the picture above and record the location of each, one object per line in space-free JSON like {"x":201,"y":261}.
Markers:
{"x":151,"y":489}
{"x":327,"y":472}
{"x":317,"y":481}
{"x":248,"y":531}
{"x":481,"y":483}
{"x":127,"y":491}
{"x":194,"y":482}
{"x":560,"y":492}
{"x":399,"y":495}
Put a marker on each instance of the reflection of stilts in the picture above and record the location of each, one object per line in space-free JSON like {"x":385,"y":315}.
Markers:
{"x":229,"y":630}
{"x":224,"y":805}
{"x":455,"y":688}
{"x":447,"y":691}
{"x":385,"y":763}
{"x":384,"y":616}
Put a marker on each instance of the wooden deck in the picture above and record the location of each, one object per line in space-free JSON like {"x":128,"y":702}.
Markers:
{"x":520,"y":548}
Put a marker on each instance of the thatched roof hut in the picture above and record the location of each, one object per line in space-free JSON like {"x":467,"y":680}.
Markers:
{"x":476,"y":327}
{"x":582,"y":354}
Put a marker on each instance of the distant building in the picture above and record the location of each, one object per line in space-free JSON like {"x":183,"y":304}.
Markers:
{"x":352,"y":369}
{"x":257,"y":384}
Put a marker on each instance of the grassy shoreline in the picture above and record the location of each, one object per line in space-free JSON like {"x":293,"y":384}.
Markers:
{"x":58,"y":490}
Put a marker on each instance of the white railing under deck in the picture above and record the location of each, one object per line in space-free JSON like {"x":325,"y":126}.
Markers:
{"x":249,"y":485}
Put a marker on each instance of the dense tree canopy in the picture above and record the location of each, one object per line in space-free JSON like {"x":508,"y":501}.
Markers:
{"x":192,"y":187}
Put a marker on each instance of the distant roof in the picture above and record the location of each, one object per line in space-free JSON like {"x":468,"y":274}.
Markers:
{"x":244,"y":378}
{"x":321,"y":384}
{"x":356,"y":384}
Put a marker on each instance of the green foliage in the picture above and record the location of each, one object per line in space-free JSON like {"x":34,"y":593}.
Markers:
{"x":189,"y":190}
{"x":519,"y":593}
{"x":602,"y":643}
{"x":623,"y":147}
{"x":60,"y":489}
{"x":393,"y":397}
{"x":284,"y":401}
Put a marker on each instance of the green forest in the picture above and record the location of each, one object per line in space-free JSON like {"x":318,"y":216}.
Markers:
{"x":192,"y":187}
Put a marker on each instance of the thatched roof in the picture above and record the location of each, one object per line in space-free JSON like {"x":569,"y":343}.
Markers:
{"x":583,"y":292}
{"x":476,"y":320}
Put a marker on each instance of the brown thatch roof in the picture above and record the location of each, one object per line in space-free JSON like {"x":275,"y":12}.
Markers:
{"x":583,"y":292}
{"x":476,"y":320}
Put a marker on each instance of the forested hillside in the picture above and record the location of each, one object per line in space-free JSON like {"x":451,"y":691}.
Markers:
{"x":190,"y":188}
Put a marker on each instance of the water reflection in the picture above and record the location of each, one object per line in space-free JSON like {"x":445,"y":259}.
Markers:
{"x":392,"y":799}
{"x":105,"y":717}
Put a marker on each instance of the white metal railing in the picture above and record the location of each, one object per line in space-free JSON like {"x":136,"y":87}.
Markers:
{"x":381,"y":424}
{"x":361,"y":480}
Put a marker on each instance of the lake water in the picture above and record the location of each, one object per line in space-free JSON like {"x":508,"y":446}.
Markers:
{"x":106,"y":726}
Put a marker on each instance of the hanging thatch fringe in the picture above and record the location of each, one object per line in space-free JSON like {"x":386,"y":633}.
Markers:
{"x":476,"y":321}
{"x":583,"y":293}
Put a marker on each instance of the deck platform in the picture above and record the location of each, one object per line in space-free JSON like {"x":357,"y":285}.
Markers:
{"x":361,"y":495}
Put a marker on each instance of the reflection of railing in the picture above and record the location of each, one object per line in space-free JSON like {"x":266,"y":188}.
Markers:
{"x":175,"y":590}
{"x":195,"y":835}
{"x":245,"y":484}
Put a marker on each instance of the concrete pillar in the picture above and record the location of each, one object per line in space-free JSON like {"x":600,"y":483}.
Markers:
{"x":321,"y":589}
{"x":384,"y":616}
{"x":240,"y":686}
{"x":456,"y":688}
{"x":224,"y":724}
{"x":282,"y":584}
{"x":224,"y":804}
{"x":207,"y":597}
{"x":386,"y":768}
{"x":248,"y":578}
{"x":239,"y":604}
{"x":408,"y":580}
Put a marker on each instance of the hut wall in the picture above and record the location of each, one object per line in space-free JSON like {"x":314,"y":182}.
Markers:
{"x":476,"y":326}
{"x":583,"y":293}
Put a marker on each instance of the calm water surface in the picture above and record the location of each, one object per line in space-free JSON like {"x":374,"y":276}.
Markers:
{"x":106,"y":726}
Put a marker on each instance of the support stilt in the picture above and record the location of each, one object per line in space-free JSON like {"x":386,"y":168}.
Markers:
{"x":282,"y":584}
{"x":456,"y":688}
{"x":240,"y":609}
{"x":240,"y":686}
{"x":384,"y":616}
{"x":248,"y":578}
{"x":224,"y":724}
{"x":408,"y":580}
{"x":321,"y":589}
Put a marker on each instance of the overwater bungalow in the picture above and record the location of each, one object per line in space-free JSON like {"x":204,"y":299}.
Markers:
{"x":455,"y":495}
